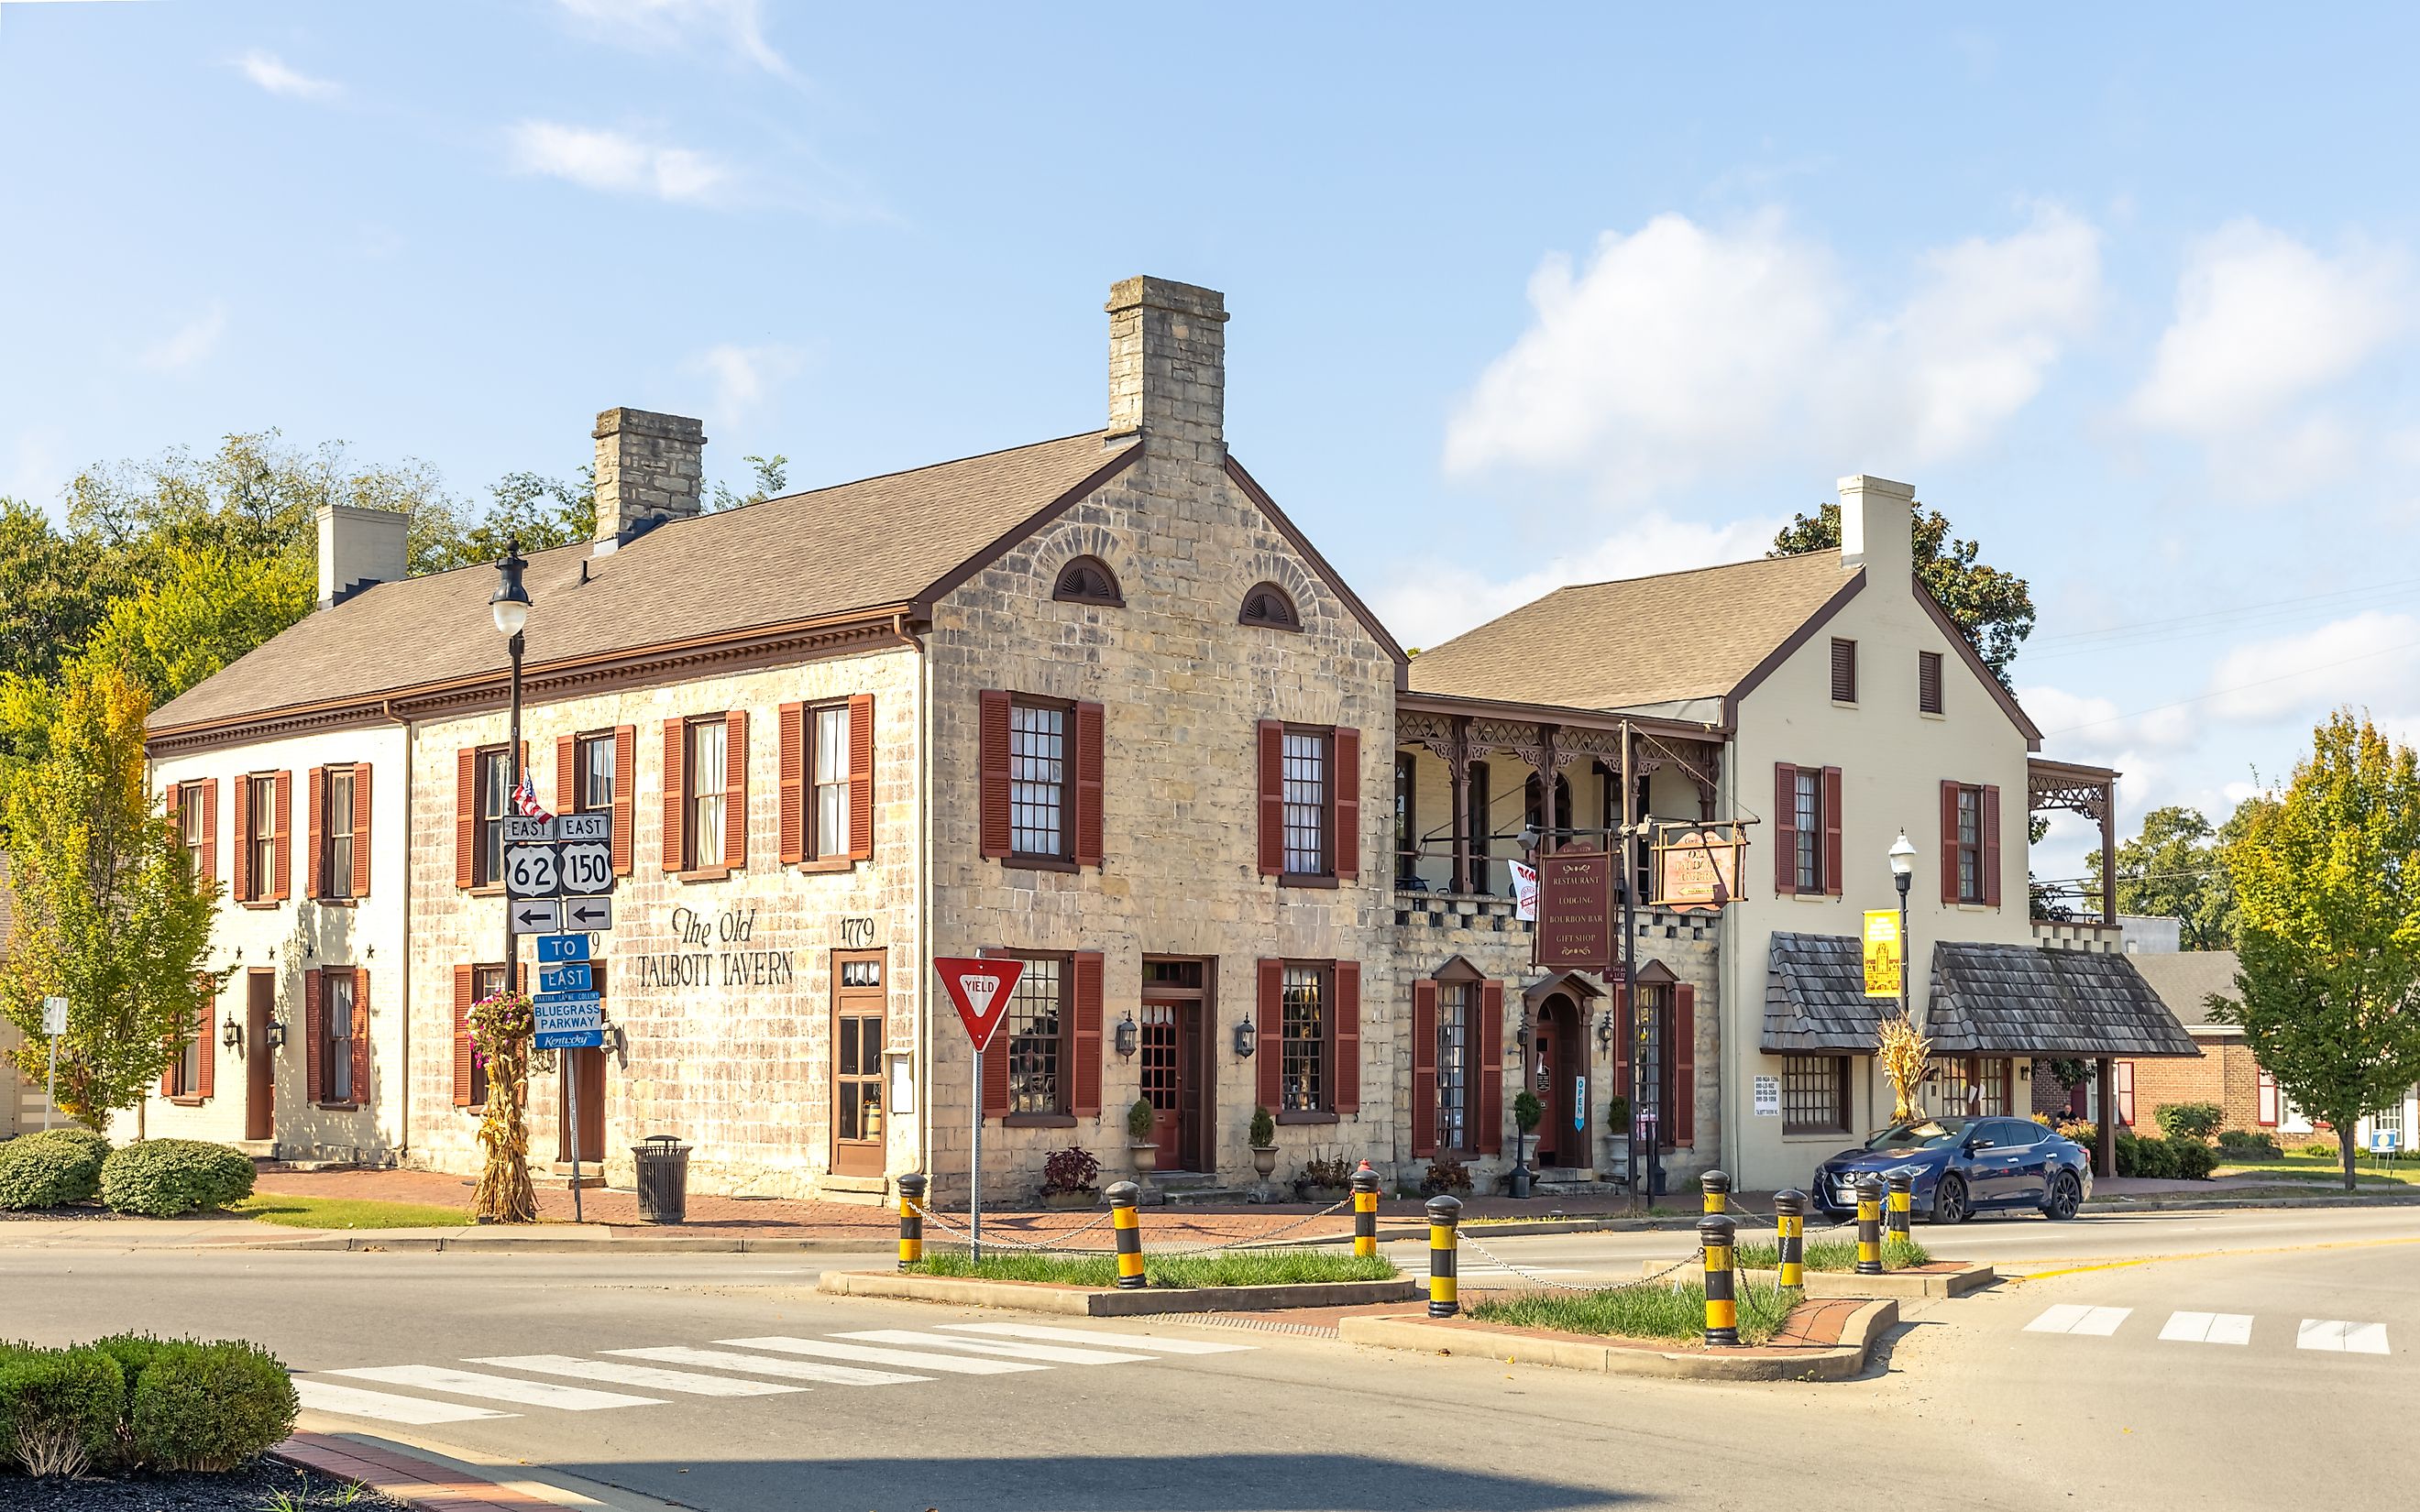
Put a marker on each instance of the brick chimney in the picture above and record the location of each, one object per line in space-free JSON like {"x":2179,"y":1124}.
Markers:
{"x":1167,"y":369}
{"x":359,"y":547}
{"x":649,"y":468}
{"x":1877,"y":527}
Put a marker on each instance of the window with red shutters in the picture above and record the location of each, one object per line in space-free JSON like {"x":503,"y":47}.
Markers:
{"x":1345,"y":1038}
{"x":625,"y":788}
{"x":315,"y":1032}
{"x":1268,"y":987}
{"x":361,"y":1036}
{"x":285,"y":837}
{"x":1344,"y":802}
{"x":210,"y":828}
{"x":675,"y":795}
{"x":1424,"y":1067}
{"x":1488,"y":1067}
{"x":362,"y":811}
{"x":734,"y":788}
{"x":1953,"y":799}
{"x":991,"y":771}
{"x":466,"y":817}
{"x":790,"y":779}
{"x":861,"y":777}
{"x":1084,"y":1041}
{"x":1832,"y":856}
{"x":1785,"y":839}
{"x":1270,"y":734}
{"x":1089,"y":758}
{"x":1684,"y":1064}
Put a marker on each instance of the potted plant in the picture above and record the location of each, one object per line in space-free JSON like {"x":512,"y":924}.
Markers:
{"x":1527,"y":1113}
{"x":1071,"y":1179}
{"x":1325,"y":1178}
{"x":1140,"y":1143}
{"x":1264,"y":1140}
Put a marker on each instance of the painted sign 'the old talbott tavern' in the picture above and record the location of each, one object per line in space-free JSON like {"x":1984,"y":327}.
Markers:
{"x":722,"y":958}
{"x":1575,"y":910}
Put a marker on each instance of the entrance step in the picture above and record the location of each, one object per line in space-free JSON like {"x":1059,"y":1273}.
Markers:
{"x":557,"y":1174}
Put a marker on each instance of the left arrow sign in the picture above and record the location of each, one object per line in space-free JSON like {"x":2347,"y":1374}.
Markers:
{"x":534,"y":915}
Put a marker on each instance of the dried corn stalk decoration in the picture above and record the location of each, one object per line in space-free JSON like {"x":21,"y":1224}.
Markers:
{"x":1905,"y":1052}
{"x":501,"y":1028}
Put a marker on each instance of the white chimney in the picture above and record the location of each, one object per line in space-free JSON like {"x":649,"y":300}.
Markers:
{"x":1878,"y":526}
{"x":360,"y":546}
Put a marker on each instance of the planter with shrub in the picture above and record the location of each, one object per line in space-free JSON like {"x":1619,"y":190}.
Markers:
{"x":166,"y":1177}
{"x":1263,"y":1138}
{"x":135,"y":1402}
{"x":1325,"y":1178}
{"x":1071,"y":1177}
{"x":1140,"y":1143}
{"x":51,"y":1169}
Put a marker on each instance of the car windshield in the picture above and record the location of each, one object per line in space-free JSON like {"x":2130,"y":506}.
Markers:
{"x":1932,"y":1134}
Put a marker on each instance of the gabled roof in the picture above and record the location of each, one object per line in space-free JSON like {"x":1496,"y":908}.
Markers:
{"x":1815,"y":997}
{"x":2185,"y":979}
{"x":2029,"y":1000}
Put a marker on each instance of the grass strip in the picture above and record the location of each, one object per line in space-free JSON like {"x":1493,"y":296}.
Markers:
{"x":346,"y":1212}
{"x":1835,"y":1255}
{"x":1668,"y":1314}
{"x":1228,"y":1268}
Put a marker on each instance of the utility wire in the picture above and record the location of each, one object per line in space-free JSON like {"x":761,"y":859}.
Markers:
{"x":2222,"y":692}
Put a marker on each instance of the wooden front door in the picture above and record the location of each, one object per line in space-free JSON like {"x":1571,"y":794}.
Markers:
{"x":259,"y":1061}
{"x":586,"y":1067}
{"x":1175,"y":1021}
{"x":1555,"y":1076}
{"x":1163,"y":1079}
{"x":857,"y":1039}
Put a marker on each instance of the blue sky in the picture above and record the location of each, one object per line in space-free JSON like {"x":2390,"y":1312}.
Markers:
{"x":1518,"y":298}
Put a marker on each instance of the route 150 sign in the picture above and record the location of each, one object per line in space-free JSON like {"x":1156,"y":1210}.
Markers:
{"x":586,"y":867}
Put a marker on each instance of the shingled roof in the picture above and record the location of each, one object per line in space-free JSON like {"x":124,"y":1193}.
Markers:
{"x":2185,"y":979}
{"x":827,"y":553}
{"x":1815,"y":997}
{"x":2026,"y":1000}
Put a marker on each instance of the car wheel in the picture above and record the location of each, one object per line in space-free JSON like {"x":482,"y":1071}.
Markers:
{"x":1949,"y":1200}
{"x":2066,"y":1197}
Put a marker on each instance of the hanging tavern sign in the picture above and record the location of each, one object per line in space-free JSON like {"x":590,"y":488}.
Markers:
{"x":1575,"y":928}
{"x":1698,"y":866}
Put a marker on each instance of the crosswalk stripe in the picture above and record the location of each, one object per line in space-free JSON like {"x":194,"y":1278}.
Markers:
{"x":634,"y":1375}
{"x":352,"y":1401}
{"x":498,"y":1388}
{"x":2071,"y":1318}
{"x":1080,"y":1336}
{"x":1055,"y":1354}
{"x":2338,"y":1336}
{"x":831,"y":1375}
{"x":2208,"y":1328}
{"x":956,"y":1364}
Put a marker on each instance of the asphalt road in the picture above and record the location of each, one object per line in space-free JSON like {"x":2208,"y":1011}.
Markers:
{"x":2054,"y":1391}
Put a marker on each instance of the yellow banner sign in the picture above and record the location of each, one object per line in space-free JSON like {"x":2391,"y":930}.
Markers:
{"x":1881,"y":952}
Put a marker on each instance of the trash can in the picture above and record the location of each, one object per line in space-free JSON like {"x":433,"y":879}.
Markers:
{"x":664,"y":1178}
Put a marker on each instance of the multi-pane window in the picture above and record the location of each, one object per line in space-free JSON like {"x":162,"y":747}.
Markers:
{"x":187,"y":1082}
{"x":593,"y":790}
{"x":1651,"y":1093}
{"x":1480,"y":827}
{"x":1457,"y":1022}
{"x":495,"y":776}
{"x":858,"y":1075}
{"x":1159,"y":1036}
{"x":1302,"y":1041}
{"x":830,"y":777}
{"x":1808,"y":793}
{"x":1306,"y":802}
{"x":705,"y":768}
{"x":1036,"y":1030}
{"x":336,"y":1022}
{"x":1814,"y":1094}
{"x":1928,"y":681}
{"x":192,"y":830}
{"x":263,"y":839}
{"x":1970,"y":845}
{"x":336,"y":832}
{"x":1037,"y":779}
{"x":1971,"y":1087}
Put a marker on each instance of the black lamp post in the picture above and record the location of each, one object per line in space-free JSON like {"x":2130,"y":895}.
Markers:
{"x":1517,"y":1181}
{"x":510,"y":604}
{"x":1902,"y":865}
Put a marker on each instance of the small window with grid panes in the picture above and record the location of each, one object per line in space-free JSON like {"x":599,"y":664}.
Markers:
{"x":1302,"y":1041}
{"x":1306,"y":754}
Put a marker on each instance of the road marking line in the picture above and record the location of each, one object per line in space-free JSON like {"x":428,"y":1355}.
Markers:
{"x":956,"y":1364}
{"x":1080,"y":1336}
{"x":634,"y":1375}
{"x":1056,"y":1354}
{"x":2071,"y":1318}
{"x":2209,"y":1328}
{"x":352,"y":1401}
{"x":2366,"y":1339}
{"x":831,"y":1375}
{"x":2211,"y":1254}
{"x":499,"y":1388}
{"x":2340,"y":1337}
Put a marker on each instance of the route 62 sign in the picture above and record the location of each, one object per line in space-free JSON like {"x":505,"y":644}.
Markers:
{"x":533,"y":872}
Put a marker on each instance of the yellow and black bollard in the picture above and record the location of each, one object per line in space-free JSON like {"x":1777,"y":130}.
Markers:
{"x":911,"y":1220}
{"x":1869,"y":1224}
{"x":1444,"y":1213}
{"x":1714,"y":1231}
{"x":1129,"y":1233}
{"x":1718,"y":1191}
{"x":1902,"y":1198}
{"x":1790,"y":1225}
{"x":1365,"y":1210}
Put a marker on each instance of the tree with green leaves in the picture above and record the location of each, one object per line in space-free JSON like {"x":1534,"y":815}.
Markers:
{"x":1993,"y":609}
{"x":772,"y":474}
{"x":55,"y":587}
{"x":2326,"y":877}
{"x":109,"y":913}
{"x":2171,"y":870}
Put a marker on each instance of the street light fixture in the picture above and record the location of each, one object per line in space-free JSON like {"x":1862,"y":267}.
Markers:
{"x":1902,"y":865}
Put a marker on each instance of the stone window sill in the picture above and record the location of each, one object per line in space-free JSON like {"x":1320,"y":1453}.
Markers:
{"x":260,"y":903}
{"x":1039,"y":863}
{"x":1307,"y":1118}
{"x":705,"y":873}
{"x":187,"y":1102}
{"x":1038,"y":1120}
{"x":827,"y":864}
{"x":1307,"y":879}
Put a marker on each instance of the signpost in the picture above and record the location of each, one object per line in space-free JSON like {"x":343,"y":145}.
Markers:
{"x":559,"y":876}
{"x":554,"y":949}
{"x":1881,"y":952}
{"x":980,"y":987}
{"x":54,"y":1022}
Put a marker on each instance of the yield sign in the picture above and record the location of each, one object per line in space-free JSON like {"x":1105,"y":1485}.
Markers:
{"x":980,"y":986}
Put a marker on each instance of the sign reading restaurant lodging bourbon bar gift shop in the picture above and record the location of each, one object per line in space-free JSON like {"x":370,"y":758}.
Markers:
{"x":1576,"y":931}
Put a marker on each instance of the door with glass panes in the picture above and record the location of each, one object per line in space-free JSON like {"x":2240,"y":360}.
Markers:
{"x":857,"y":1062}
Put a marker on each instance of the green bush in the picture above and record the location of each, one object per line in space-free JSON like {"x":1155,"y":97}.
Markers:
{"x":2157,"y":1159}
{"x":2195,"y":1160}
{"x":51,"y":1169}
{"x":2248,"y":1144}
{"x":1263,"y":1132}
{"x":163,"y":1178}
{"x":2189,"y":1120}
{"x":207,"y":1405}
{"x":59,"y":1408}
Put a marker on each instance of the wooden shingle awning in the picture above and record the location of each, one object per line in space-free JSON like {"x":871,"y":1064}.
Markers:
{"x":1815,"y":997}
{"x":2026,"y":1001}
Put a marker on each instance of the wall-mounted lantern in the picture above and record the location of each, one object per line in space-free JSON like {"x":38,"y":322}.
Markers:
{"x":276,"y":1034}
{"x":230,"y":1034}
{"x":1128,"y":1037}
{"x":1247,"y":1038}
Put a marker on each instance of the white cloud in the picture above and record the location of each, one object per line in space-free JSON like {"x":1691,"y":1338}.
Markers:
{"x":618,"y":163}
{"x":743,"y":375}
{"x":648,"y":25}
{"x":2362,"y":660}
{"x":1682,"y":352}
{"x":1431,"y":602}
{"x":187,"y":343}
{"x":272,"y":73}
{"x":2263,"y":321}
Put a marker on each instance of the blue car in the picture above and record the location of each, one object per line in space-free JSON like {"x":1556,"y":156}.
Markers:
{"x":1962,"y":1165}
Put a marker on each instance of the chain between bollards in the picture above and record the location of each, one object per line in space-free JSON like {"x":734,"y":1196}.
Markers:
{"x":1902,"y":1198}
{"x":1444,"y":1214}
{"x":1869,"y":1224}
{"x":1365,"y":1211}
{"x":1715,"y":1233}
{"x":912,"y":1221}
{"x":1129,"y":1234}
{"x":1789,"y":1235}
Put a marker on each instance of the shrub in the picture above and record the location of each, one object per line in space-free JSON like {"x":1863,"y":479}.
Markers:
{"x":2195,"y":1160}
{"x":1070,"y":1170}
{"x":1527,"y":1111}
{"x":2156,"y":1159}
{"x":1263,"y":1132}
{"x":2079,"y":1131}
{"x":1138,"y":1119}
{"x":163,"y":1178}
{"x":209,"y":1407}
{"x":1328,"y":1170}
{"x":1445,"y":1175}
{"x":59,"y":1408}
{"x":2248,"y":1144}
{"x":2189,"y":1120}
{"x":51,"y":1169}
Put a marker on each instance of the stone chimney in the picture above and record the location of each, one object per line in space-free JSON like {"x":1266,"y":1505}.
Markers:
{"x":649,"y":468}
{"x":357,"y":547}
{"x":1167,"y":369}
{"x":1877,"y":527}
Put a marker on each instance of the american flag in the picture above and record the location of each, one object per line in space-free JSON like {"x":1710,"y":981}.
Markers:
{"x":525,"y":799}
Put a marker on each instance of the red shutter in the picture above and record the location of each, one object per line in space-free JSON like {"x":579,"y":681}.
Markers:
{"x":995,"y":1079}
{"x":2267,"y":1112}
{"x":1991,"y":846}
{"x":1084,"y":1088}
{"x":170,"y":799}
{"x":315,"y":1037}
{"x":675,"y":737}
{"x":1424,"y":1066}
{"x":625,"y":788}
{"x":734,"y":788}
{"x":1345,"y":804}
{"x":315,"y":858}
{"x":243,"y":839}
{"x":1272,"y":737}
{"x":361,"y":1036}
{"x":2124,"y":1075}
{"x":361,"y":808}
{"x":1487,"y":1068}
{"x":1784,"y":829}
{"x":861,"y":777}
{"x":466,"y":818}
{"x":168,"y":1072}
{"x":991,"y":770}
{"x":790,"y":758}
{"x":1089,"y":757}
{"x":210,"y":828}
{"x":463,"y":978}
{"x":566,"y":774}
{"x":1270,"y":1009}
{"x":284,"y":836}
{"x":1949,"y":843}
{"x":1684,"y":1064}
{"x":205,"y":1059}
{"x":1347,"y":1079}
{"x":1832,"y":830}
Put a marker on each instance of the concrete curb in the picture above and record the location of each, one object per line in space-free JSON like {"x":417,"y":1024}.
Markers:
{"x":1864,"y":1329}
{"x":474,"y":1242}
{"x":1835,"y":1285}
{"x":1081,"y":1302}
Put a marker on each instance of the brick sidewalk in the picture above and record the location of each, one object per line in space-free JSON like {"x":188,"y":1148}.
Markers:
{"x":406,"y":1478}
